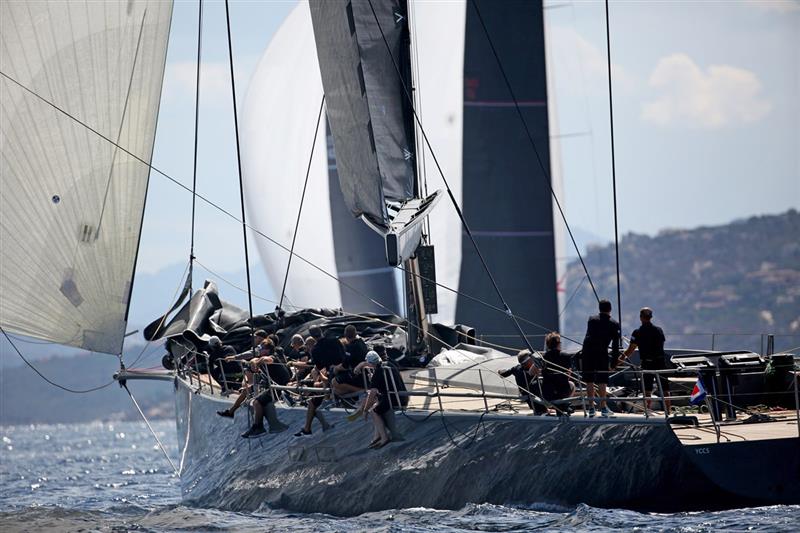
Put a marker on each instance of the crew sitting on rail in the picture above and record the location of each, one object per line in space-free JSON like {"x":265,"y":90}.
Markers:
{"x":526,"y":374}
{"x":297,"y":348}
{"x":327,"y":354}
{"x":345,"y":381}
{"x":268,"y":370}
{"x":556,"y":373}
{"x":217,"y":353}
{"x":247,"y":381}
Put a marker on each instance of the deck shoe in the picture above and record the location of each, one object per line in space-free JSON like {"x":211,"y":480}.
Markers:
{"x":225,"y":413}
{"x":302,"y":433}
{"x":254,"y":431}
{"x":590,"y":412}
{"x":605,"y":412}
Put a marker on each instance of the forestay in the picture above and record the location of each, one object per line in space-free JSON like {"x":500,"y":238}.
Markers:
{"x":72,"y":202}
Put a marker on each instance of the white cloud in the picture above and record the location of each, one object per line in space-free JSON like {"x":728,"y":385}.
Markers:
{"x":720,"y":96}
{"x":572,"y":51}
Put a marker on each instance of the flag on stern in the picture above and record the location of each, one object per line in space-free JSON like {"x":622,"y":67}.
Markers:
{"x":698,"y":392}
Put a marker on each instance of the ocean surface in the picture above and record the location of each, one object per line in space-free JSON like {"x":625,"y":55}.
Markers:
{"x":112,"y":477}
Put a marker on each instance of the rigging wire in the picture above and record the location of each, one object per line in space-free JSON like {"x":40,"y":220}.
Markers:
{"x":196,"y":130}
{"x":302,"y":201}
{"x":545,"y":173}
{"x":155,"y":436}
{"x":613,"y":170}
{"x":506,"y":308}
{"x":48,"y":380}
{"x":211,"y":203}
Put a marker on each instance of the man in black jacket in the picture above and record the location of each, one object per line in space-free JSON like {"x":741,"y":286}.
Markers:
{"x":601,"y":331}
{"x":526,"y":374}
{"x":649,"y":339}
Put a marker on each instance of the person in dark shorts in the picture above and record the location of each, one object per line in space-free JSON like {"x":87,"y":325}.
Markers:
{"x":601,"y":331}
{"x":378,"y":402}
{"x":526,"y":373}
{"x":346,"y":381}
{"x":267,"y":370}
{"x":556,"y":373}
{"x":247,"y":380}
{"x":327,"y":354}
{"x":649,"y":339}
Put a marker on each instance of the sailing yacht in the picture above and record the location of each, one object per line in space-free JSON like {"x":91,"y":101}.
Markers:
{"x":81,"y":85}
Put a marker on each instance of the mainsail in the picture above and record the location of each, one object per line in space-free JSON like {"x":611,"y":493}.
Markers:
{"x":72,"y":202}
{"x":506,"y":198}
{"x":364,"y":59}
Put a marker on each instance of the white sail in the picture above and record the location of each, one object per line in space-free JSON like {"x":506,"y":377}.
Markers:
{"x":278,"y":120}
{"x":72,"y":203}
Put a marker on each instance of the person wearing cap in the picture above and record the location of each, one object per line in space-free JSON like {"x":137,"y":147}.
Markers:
{"x":217,"y":353}
{"x":247,"y":380}
{"x":345,"y":381}
{"x":649,"y":339}
{"x":377,"y":402}
{"x":526,"y":373}
{"x":601,"y":331}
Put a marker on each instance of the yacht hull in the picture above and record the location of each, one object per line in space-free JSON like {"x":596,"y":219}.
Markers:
{"x":445,"y":461}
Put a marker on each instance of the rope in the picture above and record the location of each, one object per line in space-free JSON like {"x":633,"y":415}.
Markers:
{"x":196,"y":127}
{"x":545,"y":173}
{"x":158,"y":441}
{"x":239,"y":163}
{"x":613,"y":171}
{"x":506,"y":308}
{"x":302,"y":200}
{"x":53,"y":383}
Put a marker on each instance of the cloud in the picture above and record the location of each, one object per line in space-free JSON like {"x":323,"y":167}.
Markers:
{"x":721,"y":96}
{"x":570,"y":47}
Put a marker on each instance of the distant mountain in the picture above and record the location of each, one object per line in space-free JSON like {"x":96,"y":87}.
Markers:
{"x":26,"y":398}
{"x":738,"y":280}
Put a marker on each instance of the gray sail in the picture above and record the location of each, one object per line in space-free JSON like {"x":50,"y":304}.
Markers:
{"x":505,"y":198}
{"x":72,"y":202}
{"x":364,"y":59}
{"x":360,"y":261}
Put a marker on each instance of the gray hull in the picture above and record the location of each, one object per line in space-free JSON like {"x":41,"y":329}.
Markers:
{"x":444,"y":462}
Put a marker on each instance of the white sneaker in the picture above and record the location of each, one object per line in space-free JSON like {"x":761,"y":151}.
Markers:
{"x":605,"y":412}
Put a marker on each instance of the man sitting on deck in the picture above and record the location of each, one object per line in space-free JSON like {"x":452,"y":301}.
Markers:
{"x":327,"y":354}
{"x":526,"y":375}
{"x":556,"y":372}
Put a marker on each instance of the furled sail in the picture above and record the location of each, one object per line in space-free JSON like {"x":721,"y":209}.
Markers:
{"x":361,"y":46}
{"x":72,"y":202}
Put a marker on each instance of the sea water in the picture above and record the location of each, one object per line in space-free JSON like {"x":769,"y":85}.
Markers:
{"x":113,"y":477}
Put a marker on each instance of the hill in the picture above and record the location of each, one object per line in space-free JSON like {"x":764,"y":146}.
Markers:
{"x":738,"y":281}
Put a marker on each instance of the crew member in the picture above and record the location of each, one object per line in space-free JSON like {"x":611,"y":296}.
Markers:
{"x":601,"y":331}
{"x":649,"y":339}
{"x":526,"y":375}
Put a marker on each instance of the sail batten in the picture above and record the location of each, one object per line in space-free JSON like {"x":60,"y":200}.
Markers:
{"x":72,"y":202}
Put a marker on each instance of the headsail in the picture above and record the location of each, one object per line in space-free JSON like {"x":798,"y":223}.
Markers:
{"x":361,"y":45}
{"x":72,"y":203}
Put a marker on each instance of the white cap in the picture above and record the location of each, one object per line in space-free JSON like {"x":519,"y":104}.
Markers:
{"x":214,"y":341}
{"x":373,"y":358}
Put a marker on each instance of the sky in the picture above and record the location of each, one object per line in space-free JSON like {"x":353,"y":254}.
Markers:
{"x":706,"y":119}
